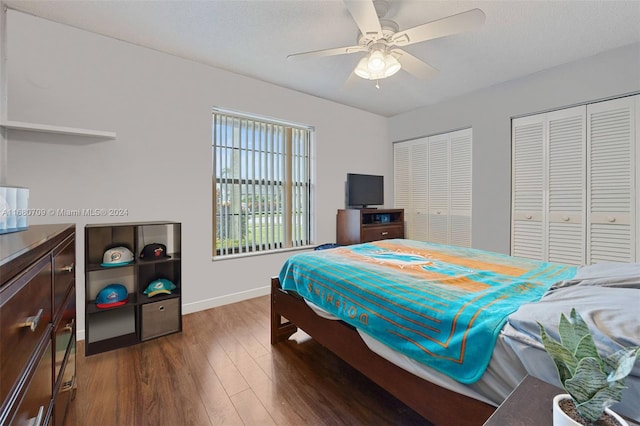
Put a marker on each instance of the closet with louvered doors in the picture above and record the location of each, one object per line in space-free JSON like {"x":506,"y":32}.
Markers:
{"x":411,"y":177}
{"x":613,"y":180}
{"x":432,"y":183}
{"x":574,"y":190}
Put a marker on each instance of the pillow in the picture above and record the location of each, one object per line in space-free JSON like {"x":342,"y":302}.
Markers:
{"x":605,"y":274}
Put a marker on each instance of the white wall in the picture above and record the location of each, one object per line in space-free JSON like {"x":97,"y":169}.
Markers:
{"x":159,"y":167}
{"x":489,"y":112}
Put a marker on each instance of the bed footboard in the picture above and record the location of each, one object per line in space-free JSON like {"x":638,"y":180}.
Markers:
{"x":281,"y":327}
{"x":436,"y":404}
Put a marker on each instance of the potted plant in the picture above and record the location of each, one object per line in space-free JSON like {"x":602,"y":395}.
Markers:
{"x":593,"y":384}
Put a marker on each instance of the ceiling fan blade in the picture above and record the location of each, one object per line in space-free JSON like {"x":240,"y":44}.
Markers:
{"x":453,"y":24}
{"x":364,"y":13}
{"x":327,"y":52}
{"x":413,"y":65}
{"x":351,"y":81}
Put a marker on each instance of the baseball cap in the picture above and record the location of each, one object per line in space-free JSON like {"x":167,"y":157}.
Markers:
{"x":117,"y":256}
{"x":111,"y":296}
{"x":154,"y":251}
{"x":160,"y":286}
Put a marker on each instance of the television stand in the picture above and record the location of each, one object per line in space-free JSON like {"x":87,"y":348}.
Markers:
{"x":355,"y":226}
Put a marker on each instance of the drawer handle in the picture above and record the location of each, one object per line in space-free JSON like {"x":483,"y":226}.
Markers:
{"x":69,"y":327}
{"x":566,"y":218}
{"x":37,"y":421}
{"x":32,"y":322}
{"x":161,"y":308}
{"x":68,"y":268}
{"x":529,"y":216}
{"x":66,"y":386}
{"x":611,"y":219}
{"x":384,"y":233}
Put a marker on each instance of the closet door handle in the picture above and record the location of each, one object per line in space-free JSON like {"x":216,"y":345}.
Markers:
{"x":611,"y":219}
{"x":528,"y":216}
{"x":566,"y":218}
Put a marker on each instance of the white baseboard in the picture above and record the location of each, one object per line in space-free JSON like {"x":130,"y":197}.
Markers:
{"x":227,"y":299}
{"x":202,"y":305}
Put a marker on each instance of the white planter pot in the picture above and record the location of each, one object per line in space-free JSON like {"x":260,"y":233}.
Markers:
{"x":561,"y":419}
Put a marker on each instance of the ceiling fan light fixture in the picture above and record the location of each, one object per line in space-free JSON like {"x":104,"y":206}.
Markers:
{"x":361,"y":70}
{"x":392,"y":66}
{"x":377,"y":61}
{"x":384,"y":65}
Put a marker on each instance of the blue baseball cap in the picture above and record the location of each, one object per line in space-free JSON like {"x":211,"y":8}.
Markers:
{"x":159,"y":286}
{"x":111,"y":296}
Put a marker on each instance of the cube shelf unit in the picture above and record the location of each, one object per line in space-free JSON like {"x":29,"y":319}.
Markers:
{"x":142,"y":317}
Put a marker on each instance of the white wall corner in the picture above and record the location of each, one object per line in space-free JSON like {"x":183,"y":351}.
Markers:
{"x":3,"y":93}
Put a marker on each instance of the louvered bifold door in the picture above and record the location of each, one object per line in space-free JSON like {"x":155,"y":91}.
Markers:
{"x":611,"y":190}
{"x":460,"y":188}
{"x":411,"y":173}
{"x":528,"y":187}
{"x":419,"y":190}
{"x":402,"y":182}
{"x":566,"y":186}
{"x":439,"y":189}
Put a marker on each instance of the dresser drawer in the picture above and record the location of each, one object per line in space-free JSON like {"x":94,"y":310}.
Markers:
{"x":64,"y":333}
{"x":160,"y":318}
{"x":34,"y":409}
{"x":375,"y":233}
{"x":25,"y":313}
{"x":64,"y":271}
{"x":66,"y":387}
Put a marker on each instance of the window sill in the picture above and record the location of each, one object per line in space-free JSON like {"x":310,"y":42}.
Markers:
{"x":260,"y":253}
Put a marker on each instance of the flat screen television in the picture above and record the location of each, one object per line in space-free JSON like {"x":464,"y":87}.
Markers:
{"x":364,"y":190}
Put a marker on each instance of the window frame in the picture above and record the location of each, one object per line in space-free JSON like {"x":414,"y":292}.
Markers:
{"x":284,"y":204}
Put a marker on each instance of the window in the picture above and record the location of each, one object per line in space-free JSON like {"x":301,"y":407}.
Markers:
{"x":261,"y":181}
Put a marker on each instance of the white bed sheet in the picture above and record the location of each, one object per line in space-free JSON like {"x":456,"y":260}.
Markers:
{"x":503,"y":374}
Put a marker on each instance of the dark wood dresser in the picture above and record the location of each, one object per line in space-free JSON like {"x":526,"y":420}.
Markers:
{"x":37,"y":325}
{"x":355,"y":226}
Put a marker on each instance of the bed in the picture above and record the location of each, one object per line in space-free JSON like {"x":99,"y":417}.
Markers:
{"x":451,"y":359}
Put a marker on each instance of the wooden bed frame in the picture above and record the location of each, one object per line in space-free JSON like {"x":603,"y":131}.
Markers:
{"x":436,"y":404}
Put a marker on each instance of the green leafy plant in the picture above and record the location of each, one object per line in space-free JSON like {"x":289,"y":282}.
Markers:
{"x":593,"y":383}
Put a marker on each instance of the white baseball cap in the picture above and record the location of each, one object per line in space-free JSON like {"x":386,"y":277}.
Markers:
{"x":117,"y":256}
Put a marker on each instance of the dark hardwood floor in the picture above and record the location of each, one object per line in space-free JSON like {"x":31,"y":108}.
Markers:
{"x":222,"y":369}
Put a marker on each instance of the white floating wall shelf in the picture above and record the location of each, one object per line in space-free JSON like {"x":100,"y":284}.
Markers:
{"x":46,"y":128}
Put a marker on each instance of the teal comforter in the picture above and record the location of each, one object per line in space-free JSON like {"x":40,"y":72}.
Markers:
{"x":441,"y":305}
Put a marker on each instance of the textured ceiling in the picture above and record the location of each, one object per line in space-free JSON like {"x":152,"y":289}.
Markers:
{"x":254,"y":37}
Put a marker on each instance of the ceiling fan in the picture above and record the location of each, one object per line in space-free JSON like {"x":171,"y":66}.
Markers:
{"x":382,"y":40}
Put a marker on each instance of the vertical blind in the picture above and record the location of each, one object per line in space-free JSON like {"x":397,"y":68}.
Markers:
{"x":261,"y":184}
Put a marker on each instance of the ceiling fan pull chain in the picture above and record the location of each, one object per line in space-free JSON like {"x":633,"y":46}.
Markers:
{"x":377,"y":84}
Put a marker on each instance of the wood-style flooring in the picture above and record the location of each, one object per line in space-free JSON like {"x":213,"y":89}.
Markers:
{"x":222,"y":370}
